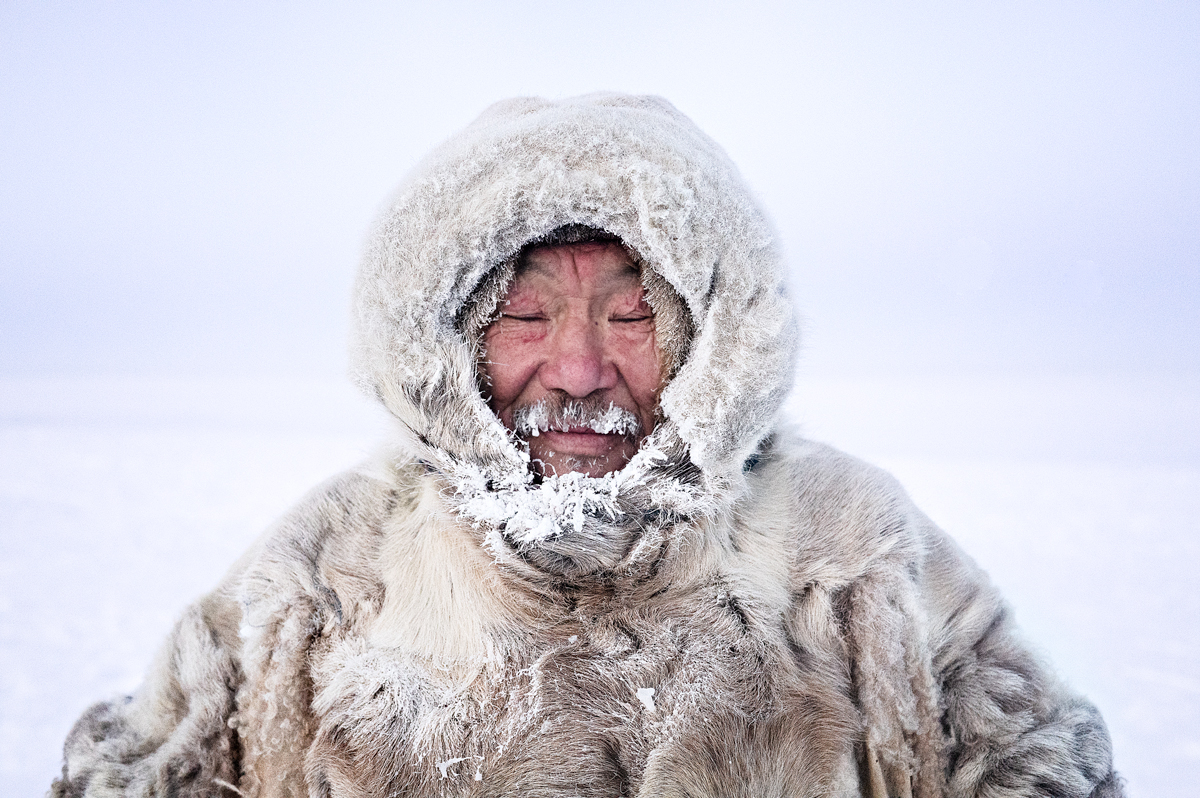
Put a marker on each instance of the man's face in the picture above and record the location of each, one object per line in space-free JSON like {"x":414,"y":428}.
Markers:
{"x":572,"y":361}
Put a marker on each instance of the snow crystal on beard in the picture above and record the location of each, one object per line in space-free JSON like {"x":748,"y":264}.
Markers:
{"x":557,"y":413}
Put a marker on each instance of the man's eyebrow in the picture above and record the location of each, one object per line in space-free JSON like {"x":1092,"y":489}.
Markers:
{"x":529,"y":266}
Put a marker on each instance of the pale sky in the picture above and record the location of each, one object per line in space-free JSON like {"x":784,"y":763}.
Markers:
{"x":184,"y":187}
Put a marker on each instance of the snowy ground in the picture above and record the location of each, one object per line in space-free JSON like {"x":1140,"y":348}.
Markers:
{"x":120,"y":501}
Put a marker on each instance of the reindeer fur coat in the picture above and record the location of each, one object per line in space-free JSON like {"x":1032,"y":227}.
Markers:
{"x":737,"y":612}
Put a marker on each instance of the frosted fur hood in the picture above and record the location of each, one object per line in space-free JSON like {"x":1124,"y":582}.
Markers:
{"x":639,"y":169}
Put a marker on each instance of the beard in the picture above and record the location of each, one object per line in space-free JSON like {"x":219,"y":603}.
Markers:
{"x":559,"y":412}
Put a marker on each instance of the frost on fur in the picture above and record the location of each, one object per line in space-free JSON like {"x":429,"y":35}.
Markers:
{"x":530,"y":509}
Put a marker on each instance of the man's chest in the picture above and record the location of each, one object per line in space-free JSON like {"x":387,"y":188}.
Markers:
{"x":677,"y":707}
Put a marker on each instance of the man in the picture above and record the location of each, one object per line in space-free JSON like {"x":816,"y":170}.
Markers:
{"x":591,"y":563}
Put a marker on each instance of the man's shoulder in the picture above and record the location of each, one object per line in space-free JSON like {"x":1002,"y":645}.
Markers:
{"x":832,"y":506}
{"x":812,"y":473}
{"x":336,"y":525}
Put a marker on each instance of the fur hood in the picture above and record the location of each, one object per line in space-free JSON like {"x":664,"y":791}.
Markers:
{"x":631,"y":166}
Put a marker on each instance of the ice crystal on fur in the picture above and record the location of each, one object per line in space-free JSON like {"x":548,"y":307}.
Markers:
{"x":446,"y":765}
{"x":533,"y":512}
{"x":529,"y":510}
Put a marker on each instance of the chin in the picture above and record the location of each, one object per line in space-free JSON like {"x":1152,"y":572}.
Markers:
{"x":593,"y":466}
{"x":548,"y":461}
{"x":558,"y":466}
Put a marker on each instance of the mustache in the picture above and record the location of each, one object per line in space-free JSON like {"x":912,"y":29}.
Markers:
{"x":560,"y":414}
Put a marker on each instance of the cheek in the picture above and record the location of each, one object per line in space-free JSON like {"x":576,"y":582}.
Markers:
{"x":640,"y":365}
{"x":509,"y":364}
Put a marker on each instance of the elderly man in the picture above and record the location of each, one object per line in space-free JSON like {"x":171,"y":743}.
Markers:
{"x":591,"y":563}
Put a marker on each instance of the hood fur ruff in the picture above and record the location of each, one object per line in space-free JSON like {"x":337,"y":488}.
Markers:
{"x":634,"y":167}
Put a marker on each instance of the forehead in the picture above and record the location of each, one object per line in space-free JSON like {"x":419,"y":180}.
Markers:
{"x":587,"y":268}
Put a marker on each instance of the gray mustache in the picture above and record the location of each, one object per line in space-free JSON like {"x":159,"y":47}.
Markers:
{"x":553,"y":413}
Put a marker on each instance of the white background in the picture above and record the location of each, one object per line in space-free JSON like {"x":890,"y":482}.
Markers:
{"x":990,"y":215}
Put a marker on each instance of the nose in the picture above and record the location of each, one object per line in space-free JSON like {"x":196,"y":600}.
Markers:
{"x":578,"y":362}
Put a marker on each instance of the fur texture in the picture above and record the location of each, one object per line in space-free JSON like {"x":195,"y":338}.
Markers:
{"x":736,"y":613}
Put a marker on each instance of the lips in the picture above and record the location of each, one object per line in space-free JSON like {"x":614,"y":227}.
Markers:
{"x":579,"y":441}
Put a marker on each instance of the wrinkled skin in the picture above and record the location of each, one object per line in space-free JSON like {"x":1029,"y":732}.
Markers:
{"x":575,"y":326}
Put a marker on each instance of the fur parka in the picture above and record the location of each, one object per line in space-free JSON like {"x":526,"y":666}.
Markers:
{"x":737,"y":612}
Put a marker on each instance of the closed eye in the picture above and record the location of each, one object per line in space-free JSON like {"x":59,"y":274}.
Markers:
{"x":522,"y":317}
{"x":632,"y":318}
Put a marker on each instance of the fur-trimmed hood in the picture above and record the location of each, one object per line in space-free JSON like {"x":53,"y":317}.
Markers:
{"x":634,"y":167}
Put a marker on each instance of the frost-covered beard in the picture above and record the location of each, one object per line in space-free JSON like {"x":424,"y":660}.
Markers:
{"x":560,"y":413}
{"x":555,"y":413}
{"x":561,"y":519}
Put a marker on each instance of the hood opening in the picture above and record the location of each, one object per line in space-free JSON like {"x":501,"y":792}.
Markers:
{"x":672,"y":321}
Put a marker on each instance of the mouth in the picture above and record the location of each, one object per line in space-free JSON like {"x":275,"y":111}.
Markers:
{"x":579,"y":441}
{"x":575,"y":418}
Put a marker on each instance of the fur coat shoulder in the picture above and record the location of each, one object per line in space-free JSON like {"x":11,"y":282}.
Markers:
{"x":737,"y":612}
